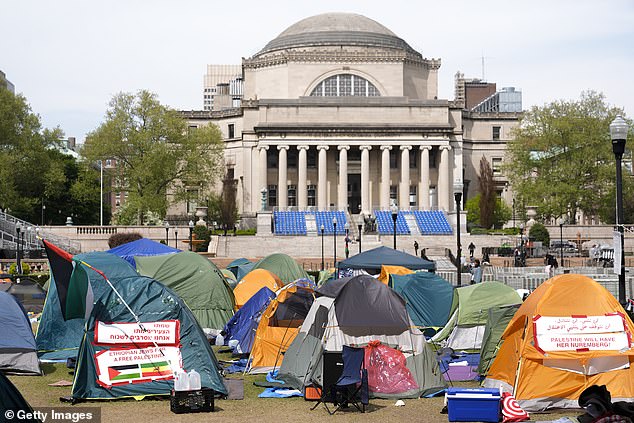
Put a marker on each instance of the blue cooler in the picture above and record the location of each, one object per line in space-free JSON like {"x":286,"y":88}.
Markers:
{"x":473,"y":404}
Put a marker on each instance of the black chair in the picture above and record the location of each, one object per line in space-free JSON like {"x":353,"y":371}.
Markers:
{"x":352,"y":387}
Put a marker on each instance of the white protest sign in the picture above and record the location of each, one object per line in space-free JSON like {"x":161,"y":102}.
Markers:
{"x":165,"y":332}
{"x":581,"y":333}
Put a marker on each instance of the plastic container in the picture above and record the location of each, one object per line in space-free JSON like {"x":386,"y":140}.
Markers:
{"x":220,"y":340}
{"x":181,"y":381}
{"x":473,"y":404}
{"x":194,"y":380}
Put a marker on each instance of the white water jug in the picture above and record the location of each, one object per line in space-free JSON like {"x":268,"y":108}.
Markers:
{"x":194,"y":380}
{"x":181,"y":381}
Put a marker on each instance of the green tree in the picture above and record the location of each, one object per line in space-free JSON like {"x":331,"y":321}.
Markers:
{"x":487,"y":193}
{"x":561,"y":158}
{"x":501,"y":212}
{"x":538,"y":232}
{"x":155,"y":153}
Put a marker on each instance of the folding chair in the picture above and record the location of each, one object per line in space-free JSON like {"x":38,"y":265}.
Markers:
{"x":352,"y":387}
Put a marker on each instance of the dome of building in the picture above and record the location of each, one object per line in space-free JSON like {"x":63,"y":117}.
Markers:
{"x":337,"y":29}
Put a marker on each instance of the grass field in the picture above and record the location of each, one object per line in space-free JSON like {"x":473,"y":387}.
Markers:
{"x":252,"y":409}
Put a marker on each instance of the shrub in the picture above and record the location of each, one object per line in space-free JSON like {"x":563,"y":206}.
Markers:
{"x":123,"y":238}
{"x":201,"y":232}
{"x":538,"y":232}
{"x":13,"y":269}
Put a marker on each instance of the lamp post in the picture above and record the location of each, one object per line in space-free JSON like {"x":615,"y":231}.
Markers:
{"x":167,"y":232}
{"x":347,"y":228}
{"x":191,"y":234}
{"x":43,"y":211}
{"x":360,"y":228}
{"x":176,"y":237}
{"x":334,"y":238}
{"x":100,"y":192}
{"x":457,"y":194}
{"x":18,"y":264}
{"x":322,"y":246}
{"x":561,"y":222}
{"x":521,"y":262}
{"x":513,"y":214}
{"x":394,"y":210}
{"x":618,"y":134}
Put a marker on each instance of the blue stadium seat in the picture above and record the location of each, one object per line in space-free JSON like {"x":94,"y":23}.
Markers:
{"x":432,"y":222}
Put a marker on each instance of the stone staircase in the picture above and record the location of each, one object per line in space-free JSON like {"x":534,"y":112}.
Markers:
{"x":410,"y":219}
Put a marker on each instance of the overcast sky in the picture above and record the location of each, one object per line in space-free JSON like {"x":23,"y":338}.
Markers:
{"x":69,"y":57}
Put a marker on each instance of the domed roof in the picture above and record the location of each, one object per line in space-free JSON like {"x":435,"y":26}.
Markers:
{"x":336,"y":29}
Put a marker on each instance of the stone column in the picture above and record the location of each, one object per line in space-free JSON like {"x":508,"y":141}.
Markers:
{"x":443,"y":187}
{"x":404,"y":184}
{"x":263,"y":169}
{"x":282,"y":181}
{"x":342,"y":197}
{"x":423,"y":190}
{"x":322,"y":183}
{"x":385,"y":176}
{"x":302,"y":187}
{"x":365,"y":178}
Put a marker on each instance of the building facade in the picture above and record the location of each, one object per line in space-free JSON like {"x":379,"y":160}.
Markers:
{"x":339,"y":112}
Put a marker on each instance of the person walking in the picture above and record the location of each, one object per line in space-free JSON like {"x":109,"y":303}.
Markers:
{"x":471,"y":248}
{"x":476,"y":272}
{"x":416,"y":248}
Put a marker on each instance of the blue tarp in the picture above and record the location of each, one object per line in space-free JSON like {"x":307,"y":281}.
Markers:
{"x":377,"y":257}
{"x":141,"y":247}
{"x":242,"y":326}
{"x":428,"y":297}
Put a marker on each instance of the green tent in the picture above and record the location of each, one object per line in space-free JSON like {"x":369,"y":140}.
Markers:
{"x":197,"y":281}
{"x":57,"y":338}
{"x":429,"y":298}
{"x":498,"y":319}
{"x":287,"y":269}
{"x":119,"y":358}
{"x":465,"y":328}
{"x":12,"y":400}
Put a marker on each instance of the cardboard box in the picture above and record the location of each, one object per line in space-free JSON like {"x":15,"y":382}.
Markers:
{"x":473,"y":404}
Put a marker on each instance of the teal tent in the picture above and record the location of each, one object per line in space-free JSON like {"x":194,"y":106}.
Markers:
{"x":240,"y":267}
{"x":428,"y":297}
{"x":58,"y":339}
{"x":113,"y":364}
{"x":287,"y":269}
{"x":197,"y":281}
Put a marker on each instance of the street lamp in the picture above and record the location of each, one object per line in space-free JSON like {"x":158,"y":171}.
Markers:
{"x":191,"y":234}
{"x":322,"y":246}
{"x":334,"y":238}
{"x":347,"y":228}
{"x":394,"y":210}
{"x":457,"y":194}
{"x":360,"y":228}
{"x":43,"y":211}
{"x":561,"y":222}
{"x":618,"y":133}
{"x":176,"y":237}
{"x":167,"y":231}
{"x":18,"y":229}
{"x":521,"y":261}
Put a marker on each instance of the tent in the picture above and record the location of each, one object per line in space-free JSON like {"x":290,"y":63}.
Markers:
{"x":12,"y":399}
{"x":465,"y":328}
{"x":242,"y":326}
{"x":58,"y":339}
{"x":252,"y":282}
{"x":287,"y":269}
{"x":18,"y":353}
{"x":372,"y":260}
{"x":229,"y":277}
{"x":197,"y":281}
{"x":569,"y":334}
{"x":141,"y":247}
{"x":498,"y":319}
{"x":429,"y":297}
{"x":240,"y":267}
{"x":117,"y":358}
{"x":29,"y":293}
{"x":387,"y":270}
{"x":360,"y":312}
{"x":279,"y":325}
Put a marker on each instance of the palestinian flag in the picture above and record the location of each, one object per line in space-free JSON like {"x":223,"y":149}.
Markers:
{"x":131,"y":372}
{"x":71,"y":280}
{"x":124,"y":373}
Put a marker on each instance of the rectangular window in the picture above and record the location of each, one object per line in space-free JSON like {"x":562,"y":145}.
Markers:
{"x":496,"y":166}
{"x":291,"y":158}
{"x":312,"y":189}
{"x":191,"y":128}
{"x":433,"y":153}
{"x":412,"y":195}
{"x":412,"y":159}
{"x":108,"y":163}
{"x":271,"y":158}
{"x":311,"y":158}
{"x":231,"y":130}
{"x":496,"y":132}
{"x":292,"y":195}
{"x":230,"y":173}
{"x":330,"y":87}
{"x":393,"y":164}
{"x":345,"y":85}
{"x":393,"y":194}
{"x":272,"y":195}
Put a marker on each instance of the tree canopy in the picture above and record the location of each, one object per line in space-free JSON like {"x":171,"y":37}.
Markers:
{"x":561,"y":158}
{"x":157,"y":156}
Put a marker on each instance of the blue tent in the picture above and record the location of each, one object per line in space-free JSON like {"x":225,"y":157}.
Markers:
{"x":240,"y":267}
{"x":372,"y":260}
{"x":428,"y":297}
{"x":17,"y":345}
{"x":242,"y":326}
{"x":141,"y":247}
{"x":59,"y":339}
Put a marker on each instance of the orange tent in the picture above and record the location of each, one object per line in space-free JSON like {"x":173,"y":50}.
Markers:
{"x":569,"y":334}
{"x":252,"y":282}
{"x":279,"y":325}
{"x":387,"y":270}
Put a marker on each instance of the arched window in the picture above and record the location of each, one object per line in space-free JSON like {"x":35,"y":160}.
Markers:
{"x":345,"y":84}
